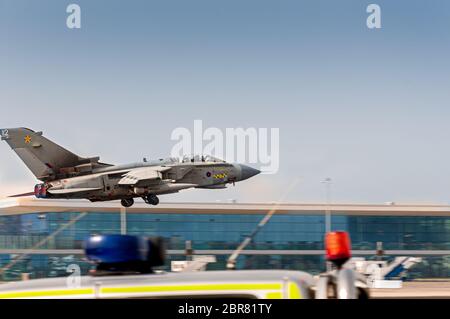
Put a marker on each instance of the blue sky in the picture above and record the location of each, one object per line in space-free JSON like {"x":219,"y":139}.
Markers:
{"x":368,"y":108}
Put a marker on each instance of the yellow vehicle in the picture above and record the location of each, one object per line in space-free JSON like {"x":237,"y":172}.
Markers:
{"x":124,"y":270}
{"x":252,"y":284}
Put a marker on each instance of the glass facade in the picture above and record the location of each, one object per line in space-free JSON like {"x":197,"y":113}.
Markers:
{"x":300,"y":231}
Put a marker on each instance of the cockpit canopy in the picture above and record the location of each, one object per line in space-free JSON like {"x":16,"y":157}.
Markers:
{"x":186,"y":159}
{"x":201,"y":158}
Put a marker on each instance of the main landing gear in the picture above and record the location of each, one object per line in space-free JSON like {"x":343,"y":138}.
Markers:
{"x":127,"y":202}
{"x":151,"y":199}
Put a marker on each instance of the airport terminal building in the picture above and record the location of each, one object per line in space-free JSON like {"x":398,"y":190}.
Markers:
{"x":42,"y":237}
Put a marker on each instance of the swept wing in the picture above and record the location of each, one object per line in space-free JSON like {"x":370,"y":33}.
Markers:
{"x":144,"y":176}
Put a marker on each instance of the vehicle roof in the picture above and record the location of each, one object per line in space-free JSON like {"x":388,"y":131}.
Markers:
{"x":167,"y":278}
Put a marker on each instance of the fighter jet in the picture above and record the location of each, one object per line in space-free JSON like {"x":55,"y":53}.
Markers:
{"x":67,"y":175}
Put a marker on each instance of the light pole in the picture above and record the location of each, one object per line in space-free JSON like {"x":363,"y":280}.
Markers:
{"x":327,"y":182}
{"x":123,"y":221}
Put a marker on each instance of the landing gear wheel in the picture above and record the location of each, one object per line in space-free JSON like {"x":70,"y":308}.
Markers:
{"x":127,"y":202}
{"x":151,"y":199}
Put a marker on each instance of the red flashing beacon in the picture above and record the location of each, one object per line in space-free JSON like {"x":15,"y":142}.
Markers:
{"x":338,"y":247}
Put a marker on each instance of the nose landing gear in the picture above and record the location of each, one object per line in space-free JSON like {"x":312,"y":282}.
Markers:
{"x":127,"y":202}
{"x":151,"y":199}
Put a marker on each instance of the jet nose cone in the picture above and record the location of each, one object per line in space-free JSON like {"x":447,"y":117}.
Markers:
{"x":247,"y":172}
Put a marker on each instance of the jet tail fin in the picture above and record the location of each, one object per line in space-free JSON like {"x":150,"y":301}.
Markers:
{"x":44,"y":158}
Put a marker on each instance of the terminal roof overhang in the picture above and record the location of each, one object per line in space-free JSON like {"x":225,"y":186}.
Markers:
{"x":29,"y":205}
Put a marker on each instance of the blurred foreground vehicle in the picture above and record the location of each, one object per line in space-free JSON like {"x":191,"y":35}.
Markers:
{"x":125,"y":269}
